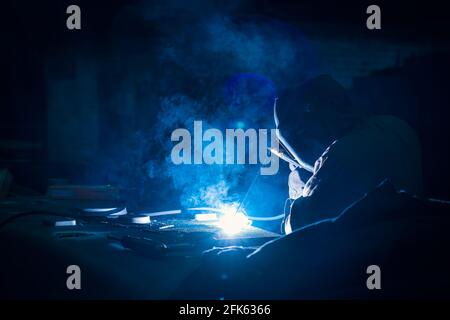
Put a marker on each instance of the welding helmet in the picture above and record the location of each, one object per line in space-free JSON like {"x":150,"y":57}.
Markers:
{"x":310,"y":117}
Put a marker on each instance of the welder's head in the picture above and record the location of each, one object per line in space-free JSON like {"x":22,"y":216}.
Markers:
{"x":311,"y":116}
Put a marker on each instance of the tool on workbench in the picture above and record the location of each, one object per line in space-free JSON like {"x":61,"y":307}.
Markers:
{"x":53,"y":221}
{"x":134,"y":219}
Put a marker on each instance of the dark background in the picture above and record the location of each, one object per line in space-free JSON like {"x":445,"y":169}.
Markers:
{"x":81,"y":105}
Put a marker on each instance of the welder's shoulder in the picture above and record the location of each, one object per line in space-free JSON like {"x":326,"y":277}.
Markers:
{"x":375,"y":150}
{"x":387,"y":132}
{"x":381,"y":147}
{"x":377,"y":139}
{"x":342,"y":154}
{"x":391,"y":148}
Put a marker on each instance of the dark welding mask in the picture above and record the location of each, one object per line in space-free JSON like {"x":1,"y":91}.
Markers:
{"x":284,"y":144}
{"x":309,"y":117}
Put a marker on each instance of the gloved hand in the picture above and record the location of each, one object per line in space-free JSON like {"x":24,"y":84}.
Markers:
{"x":295,"y":183}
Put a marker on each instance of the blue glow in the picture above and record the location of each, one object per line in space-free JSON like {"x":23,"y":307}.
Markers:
{"x":240,"y":124}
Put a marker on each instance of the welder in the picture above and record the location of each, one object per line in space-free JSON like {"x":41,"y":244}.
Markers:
{"x":345,"y":151}
{"x":347,"y":216}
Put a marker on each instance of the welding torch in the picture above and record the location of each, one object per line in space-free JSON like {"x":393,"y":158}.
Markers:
{"x":284,"y":157}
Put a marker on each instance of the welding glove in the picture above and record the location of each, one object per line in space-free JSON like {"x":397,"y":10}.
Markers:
{"x":295,"y":183}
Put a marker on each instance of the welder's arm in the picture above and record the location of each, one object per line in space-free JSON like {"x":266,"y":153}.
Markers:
{"x":333,"y":186}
